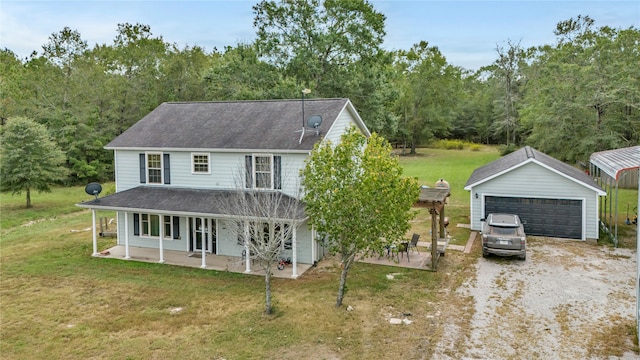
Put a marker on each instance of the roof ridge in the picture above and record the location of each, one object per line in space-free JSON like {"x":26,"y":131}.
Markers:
{"x":247,"y":101}
{"x":529,"y":151}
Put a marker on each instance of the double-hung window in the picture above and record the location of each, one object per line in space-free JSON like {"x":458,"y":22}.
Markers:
{"x":263,"y":172}
{"x":148,"y":225}
{"x":263,"y":233}
{"x":200,"y":163}
{"x":154,"y":168}
{"x":168,"y":226}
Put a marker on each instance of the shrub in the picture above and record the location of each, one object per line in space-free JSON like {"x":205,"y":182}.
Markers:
{"x":475,"y":147}
{"x":507,"y":149}
{"x":449,"y":144}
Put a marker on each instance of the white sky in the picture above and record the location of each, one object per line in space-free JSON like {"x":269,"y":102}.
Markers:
{"x":466,"y":32}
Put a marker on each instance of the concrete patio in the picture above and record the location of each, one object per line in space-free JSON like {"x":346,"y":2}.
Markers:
{"x":417,"y":258}
{"x":190,"y":259}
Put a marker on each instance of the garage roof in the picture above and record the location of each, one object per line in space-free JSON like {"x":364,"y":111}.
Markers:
{"x":524,"y":156}
{"x":615,"y":162}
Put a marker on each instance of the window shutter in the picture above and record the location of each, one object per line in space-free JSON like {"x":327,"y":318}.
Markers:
{"x":136,"y":224}
{"x":176,"y":227}
{"x":166,"y":169}
{"x":277,"y":170}
{"x":248,"y":160}
{"x":143,"y":169}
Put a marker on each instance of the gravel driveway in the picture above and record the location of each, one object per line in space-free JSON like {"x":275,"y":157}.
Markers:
{"x":568,"y":300}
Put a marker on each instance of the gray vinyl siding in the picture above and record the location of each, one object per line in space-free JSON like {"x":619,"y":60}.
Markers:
{"x":534,"y":181}
{"x":226,"y":170}
{"x":343,"y":121}
{"x":134,"y":240}
{"x":228,"y":242}
{"x":127,"y":165}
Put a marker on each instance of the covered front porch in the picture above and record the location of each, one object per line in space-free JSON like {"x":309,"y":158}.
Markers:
{"x":195,"y":259}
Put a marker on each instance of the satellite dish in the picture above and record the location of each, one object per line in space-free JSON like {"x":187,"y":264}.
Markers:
{"x":93,"y":189}
{"x":314,"y":121}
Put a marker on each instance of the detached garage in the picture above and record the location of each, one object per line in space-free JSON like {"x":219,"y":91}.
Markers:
{"x":553,"y":198}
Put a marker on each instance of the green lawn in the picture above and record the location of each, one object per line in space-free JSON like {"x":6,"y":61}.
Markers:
{"x":58,"y":302}
{"x":60,"y":201}
{"x":454,"y":166}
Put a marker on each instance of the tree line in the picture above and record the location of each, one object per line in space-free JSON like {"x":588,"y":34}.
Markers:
{"x":568,"y":99}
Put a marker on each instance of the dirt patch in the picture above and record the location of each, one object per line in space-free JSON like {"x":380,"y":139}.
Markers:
{"x":568,"y":300}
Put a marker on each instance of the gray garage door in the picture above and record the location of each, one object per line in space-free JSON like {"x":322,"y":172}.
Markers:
{"x":544,"y":217}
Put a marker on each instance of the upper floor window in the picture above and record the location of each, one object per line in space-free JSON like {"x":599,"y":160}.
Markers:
{"x":200,"y":163}
{"x":263,"y":172}
{"x":154,"y":168}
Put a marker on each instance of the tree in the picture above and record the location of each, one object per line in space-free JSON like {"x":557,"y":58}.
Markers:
{"x":267,"y":224}
{"x":334,"y":48}
{"x":356,"y":195}
{"x":315,"y":39}
{"x":239,"y":74}
{"x":506,"y":70}
{"x":582,"y":94}
{"x":430,"y":89}
{"x":30,"y":159}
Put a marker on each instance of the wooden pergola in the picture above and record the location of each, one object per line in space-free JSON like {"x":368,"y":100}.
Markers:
{"x":435,"y":199}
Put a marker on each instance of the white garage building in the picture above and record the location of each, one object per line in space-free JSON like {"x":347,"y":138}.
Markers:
{"x":553,"y":198}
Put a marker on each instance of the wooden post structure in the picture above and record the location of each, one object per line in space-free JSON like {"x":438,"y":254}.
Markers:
{"x":435,"y":254}
{"x":434,"y":199}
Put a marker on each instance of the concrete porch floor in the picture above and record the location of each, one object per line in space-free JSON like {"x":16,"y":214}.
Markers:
{"x":189,"y":259}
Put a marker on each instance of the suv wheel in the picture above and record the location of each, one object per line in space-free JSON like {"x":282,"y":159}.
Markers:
{"x":485,"y":254}
{"x":523,"y":257}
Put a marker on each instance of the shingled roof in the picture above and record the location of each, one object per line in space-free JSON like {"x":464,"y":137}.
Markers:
{"x":232,"y":125}
{"x":183,"y":201}
{"x":525,"y":155}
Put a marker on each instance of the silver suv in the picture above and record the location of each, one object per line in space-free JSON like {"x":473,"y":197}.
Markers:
{"x":503,"y":234}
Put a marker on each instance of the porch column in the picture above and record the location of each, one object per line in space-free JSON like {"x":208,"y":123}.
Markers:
{"x":294,"y":246}
{"x":247,"y":258}
{"x":95,"y":236}
{"x":126,"y":236}
{"x":314,"y":245}
{"x":203,"y":243}
{"x":161,"y":241}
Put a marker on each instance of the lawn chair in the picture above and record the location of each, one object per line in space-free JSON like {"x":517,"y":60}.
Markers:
{"x":414,"y":243}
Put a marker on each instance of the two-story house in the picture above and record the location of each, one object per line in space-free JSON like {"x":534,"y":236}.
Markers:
{"x":175,"y":166}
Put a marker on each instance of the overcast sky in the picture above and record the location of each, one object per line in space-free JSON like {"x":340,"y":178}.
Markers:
{"x":466,"y":32}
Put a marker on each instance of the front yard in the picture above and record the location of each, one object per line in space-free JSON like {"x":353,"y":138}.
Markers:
{"x":56,"y":301}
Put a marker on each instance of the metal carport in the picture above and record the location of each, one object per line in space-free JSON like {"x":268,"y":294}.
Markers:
{"x":617,"y":164}
{"x":610,"y":168}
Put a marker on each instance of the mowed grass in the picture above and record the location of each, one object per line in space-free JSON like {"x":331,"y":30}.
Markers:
{"x":60,"y":201}
{"x":454,"y":166}
{"x":58,"y":302}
